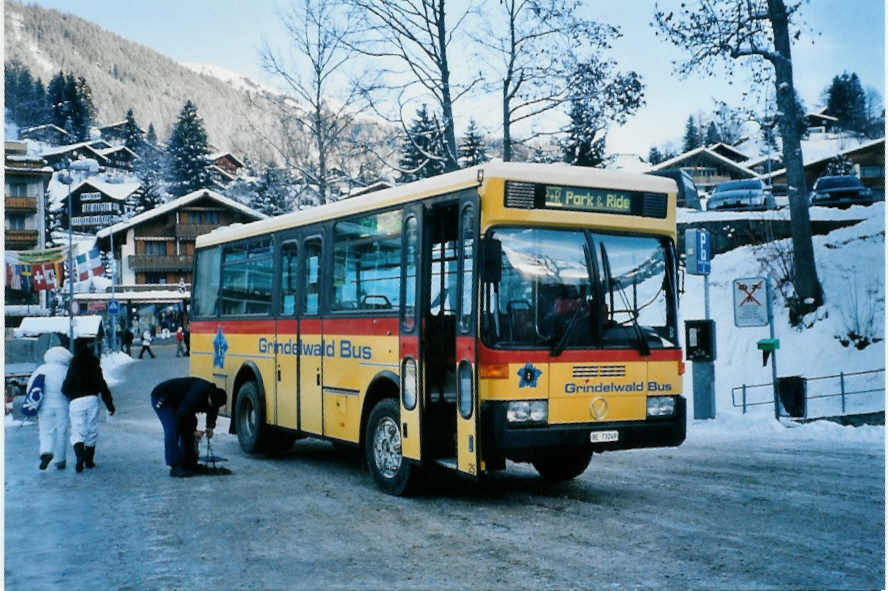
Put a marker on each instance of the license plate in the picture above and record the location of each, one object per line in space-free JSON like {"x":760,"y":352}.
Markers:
{"x":604,"y":436}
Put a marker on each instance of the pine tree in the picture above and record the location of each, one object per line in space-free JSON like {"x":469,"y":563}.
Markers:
{"x":692,"y":136}
{"x":472,"y":151}
{"x":57,"y":99}
{"x":188,"y":168}
{"x":82,"y":108}
{"x":149,"y":169}
{"x":654,"y":156}
{"x":584,"y":145}
{"x":846,"y":101}
{"x":152,"y":135}
{"x":272,"y":195}
{"x":423,"y":149}
{"x":133,"y":138}
{"x":712,"y":134}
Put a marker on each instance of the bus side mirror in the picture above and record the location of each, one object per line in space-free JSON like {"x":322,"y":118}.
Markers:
{"x":491,"y":255}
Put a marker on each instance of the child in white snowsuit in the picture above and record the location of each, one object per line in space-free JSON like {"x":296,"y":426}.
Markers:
{"x":53,"y":412}
{"x":83,"y":383}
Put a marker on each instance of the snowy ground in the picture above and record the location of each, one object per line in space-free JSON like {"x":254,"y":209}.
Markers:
{"x":749,"y":510}
{"x":850,"y":263}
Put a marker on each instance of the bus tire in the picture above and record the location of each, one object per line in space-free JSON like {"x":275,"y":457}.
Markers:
{"x":250,"y":416}
{"x":382,"y":447}
{"x":567,"y":465}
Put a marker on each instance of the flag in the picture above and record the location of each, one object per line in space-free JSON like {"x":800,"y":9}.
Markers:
{"x":8,"y":275}
{"x":95,"y":262}
{"x":39,"y":277}
{"x":82,"y":270}
{"x":49,"y":273}
{"x":16,"y":282}
{"x":27,"y":282}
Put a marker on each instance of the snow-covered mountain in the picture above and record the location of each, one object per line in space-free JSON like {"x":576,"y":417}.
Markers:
{"x":124,"y":75}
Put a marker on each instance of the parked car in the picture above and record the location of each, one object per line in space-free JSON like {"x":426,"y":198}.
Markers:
{"x":687,"y":191}
{"x":840,"y":191}
{"x":742,"y":195}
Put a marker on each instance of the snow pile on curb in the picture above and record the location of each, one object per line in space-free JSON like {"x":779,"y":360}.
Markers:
{"x":112,"y":367}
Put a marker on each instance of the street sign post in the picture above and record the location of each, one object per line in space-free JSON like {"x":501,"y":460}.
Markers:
{"x":698,"y":262}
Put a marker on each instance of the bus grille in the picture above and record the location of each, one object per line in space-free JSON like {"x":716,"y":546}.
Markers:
{"x":599,"y":371}
{"x":519,"y":195}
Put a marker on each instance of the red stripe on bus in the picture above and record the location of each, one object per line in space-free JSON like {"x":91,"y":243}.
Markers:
{"x":361,"y":326}
{"x":585,"y":356}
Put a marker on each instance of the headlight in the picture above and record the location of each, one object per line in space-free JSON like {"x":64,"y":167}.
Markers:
{"x":660,"y":406}
{"x":528,"y":411}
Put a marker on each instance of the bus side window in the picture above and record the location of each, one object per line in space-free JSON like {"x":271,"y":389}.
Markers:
{"x":312,"y":291}
{"x":289,"y":276}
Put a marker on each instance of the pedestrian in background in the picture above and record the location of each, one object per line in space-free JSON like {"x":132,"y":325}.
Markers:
{"x":83,"y":384}
{"x":180,"y":342}
{"x":177,"y":403}
{"x":128,"y":341}
{"x":187,"y":339}
{"x":146,"y":344}
{"x":53,"y":413}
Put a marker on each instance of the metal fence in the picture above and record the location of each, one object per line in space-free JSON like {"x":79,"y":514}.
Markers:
{"x":842,"y":385}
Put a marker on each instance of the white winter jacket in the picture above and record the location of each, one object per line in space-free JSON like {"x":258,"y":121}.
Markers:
{"x":54,"y":368}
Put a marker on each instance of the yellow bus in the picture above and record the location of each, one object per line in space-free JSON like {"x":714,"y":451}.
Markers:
{"x":521,"y":312}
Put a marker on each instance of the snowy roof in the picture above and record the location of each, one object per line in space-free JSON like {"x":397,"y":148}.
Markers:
{"x":72,"y":147}
{"x":112,"y":149}
{"x":224,"y":173}
{"x":117,"y":191}
{"x":217,"y":155}
{"x":822,"y":115}
{"x":84,"y":326}
{"x":673,"y":162}
{"x":44,"y":126}
{"x":119,"y":123}
{"x":808,"y":161}
{"x":729,"y":148}
{"x":175,"y":204}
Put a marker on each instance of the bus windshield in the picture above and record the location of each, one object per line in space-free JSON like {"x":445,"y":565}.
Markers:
{"x":579,"y":289}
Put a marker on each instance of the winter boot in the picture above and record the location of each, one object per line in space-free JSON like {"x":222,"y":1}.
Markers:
{"x":78,"y":451}
{"x":45,"y":459}
{"x":89,"y":454}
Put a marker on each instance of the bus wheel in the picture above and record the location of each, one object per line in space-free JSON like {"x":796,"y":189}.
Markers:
{"x":250,"y":417}
{"x":382,"y":446}
{"x":563,"y":466}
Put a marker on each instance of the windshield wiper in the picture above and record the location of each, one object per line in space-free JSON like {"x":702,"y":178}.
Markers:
{"x":559,"y":344}
{"x":643,"y":346}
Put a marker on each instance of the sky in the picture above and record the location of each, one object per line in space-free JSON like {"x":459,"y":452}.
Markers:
{"x":844,"y":35}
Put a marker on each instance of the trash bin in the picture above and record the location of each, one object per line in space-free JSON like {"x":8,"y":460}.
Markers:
{"x":792,"y":391}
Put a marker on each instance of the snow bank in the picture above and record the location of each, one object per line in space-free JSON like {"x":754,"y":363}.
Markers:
{"x":850,"y":265}
{"x":112,"y":367}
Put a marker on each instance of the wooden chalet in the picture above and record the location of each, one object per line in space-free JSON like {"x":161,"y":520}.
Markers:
{"x":56,"y":157}
{"x":97,"y":204}
{"x":227,"y":162}
{"x":49,"y":133}
{"x":116,"y":131}
{"x":707,"y":167}
{"x":157,"y":246}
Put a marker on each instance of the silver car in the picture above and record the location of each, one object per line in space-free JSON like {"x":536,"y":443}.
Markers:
{"x":741,"y":195}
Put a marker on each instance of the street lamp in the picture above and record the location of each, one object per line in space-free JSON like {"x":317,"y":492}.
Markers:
{"x":88,"y":166}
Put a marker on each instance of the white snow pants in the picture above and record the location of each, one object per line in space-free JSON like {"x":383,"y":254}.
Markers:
{"x":53,"y":423}
{"x":84,"y":413}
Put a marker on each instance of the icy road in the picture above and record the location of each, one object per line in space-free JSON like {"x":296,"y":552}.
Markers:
{"x":732,"y":513}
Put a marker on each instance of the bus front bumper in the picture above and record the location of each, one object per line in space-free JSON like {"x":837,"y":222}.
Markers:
{"x":524,"y":443}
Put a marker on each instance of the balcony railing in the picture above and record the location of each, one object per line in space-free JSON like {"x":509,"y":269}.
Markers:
{"x":21,"y":203}
{"x":192,"y":231}
{"x":19,"y":239}
{"x":148,"y":262}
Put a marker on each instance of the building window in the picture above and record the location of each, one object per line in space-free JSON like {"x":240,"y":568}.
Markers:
{"x":155,"y":248}
{"x":872,"y":172}
{"x":15,"y":222}
{"x":155,"y":277}
{"x":18,"y":190}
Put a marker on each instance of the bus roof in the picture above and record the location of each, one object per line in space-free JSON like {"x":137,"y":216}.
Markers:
{"x":461,"y":179}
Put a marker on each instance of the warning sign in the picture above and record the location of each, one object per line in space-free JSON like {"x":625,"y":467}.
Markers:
{"x":750,"y":302}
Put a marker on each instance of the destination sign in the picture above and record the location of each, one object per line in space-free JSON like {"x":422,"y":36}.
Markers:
{"x":605,"y":200}
{"x":589,"y":199}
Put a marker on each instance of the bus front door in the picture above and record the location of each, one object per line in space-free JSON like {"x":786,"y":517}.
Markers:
{"x":410,"y":334}
{"x":467,"y":406}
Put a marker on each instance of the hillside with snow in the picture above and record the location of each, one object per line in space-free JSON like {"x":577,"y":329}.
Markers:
{"x":124,"y":75}
{"x":851,"y":268}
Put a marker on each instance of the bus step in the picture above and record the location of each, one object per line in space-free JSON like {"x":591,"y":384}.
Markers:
{"x":447,"y":462}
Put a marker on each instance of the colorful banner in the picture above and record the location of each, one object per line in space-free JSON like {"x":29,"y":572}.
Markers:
{"x":30,"y":270}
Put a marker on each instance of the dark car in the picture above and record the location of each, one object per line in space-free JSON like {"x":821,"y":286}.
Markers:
{"x":687,"y":190}
{"x":741,"y":195}
{"x":840,"y":191}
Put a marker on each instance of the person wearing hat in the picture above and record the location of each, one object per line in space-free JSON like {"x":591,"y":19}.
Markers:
{"x":177,"y":403}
